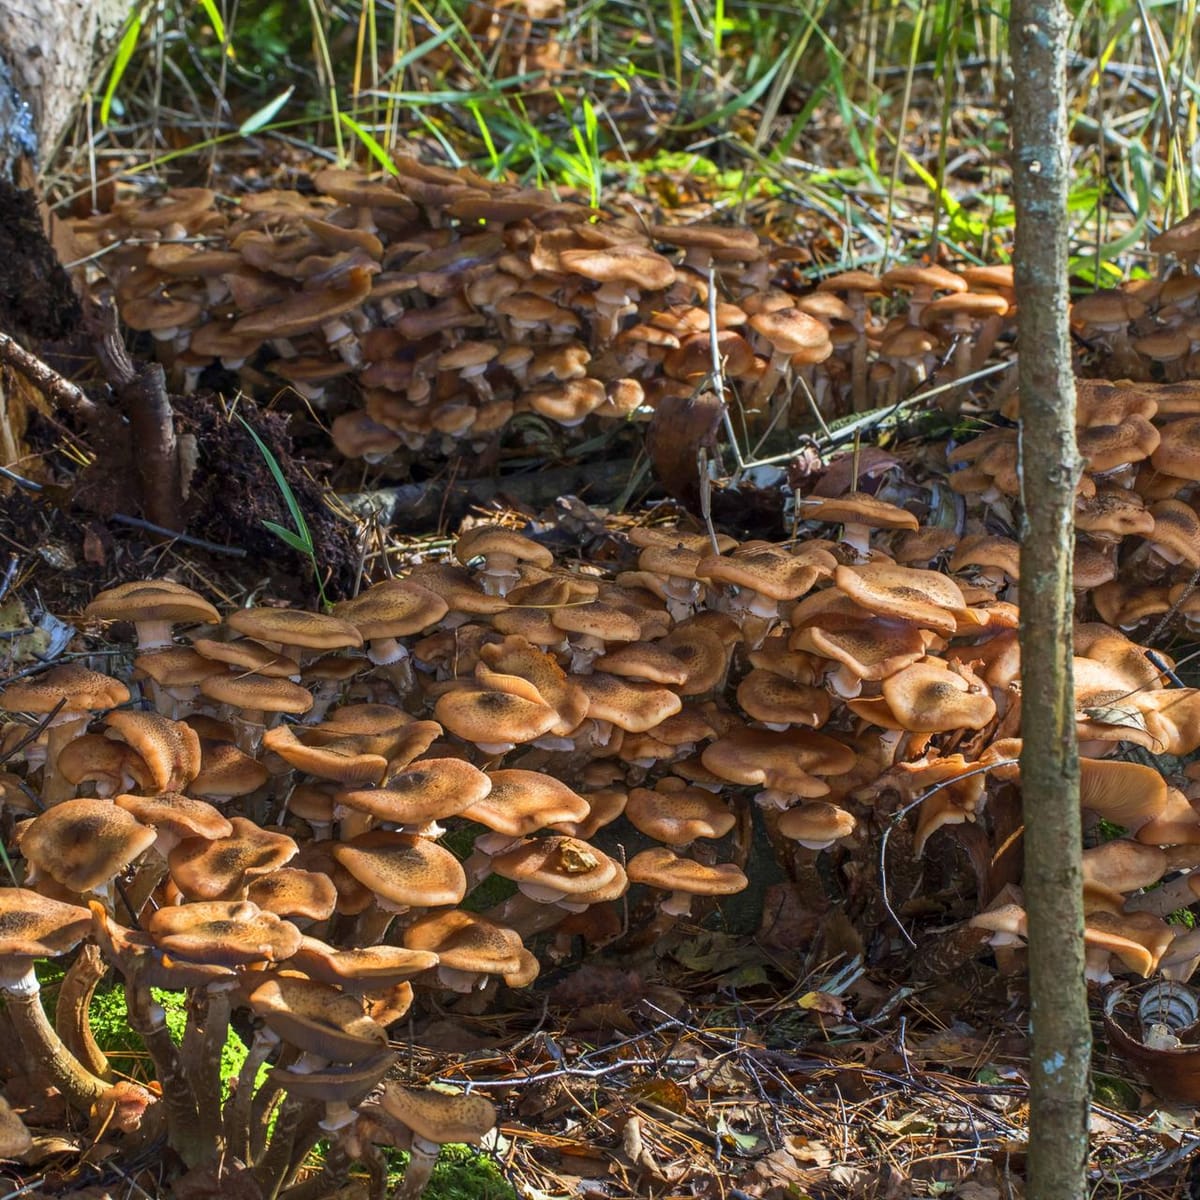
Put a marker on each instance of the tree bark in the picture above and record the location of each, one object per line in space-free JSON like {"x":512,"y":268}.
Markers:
{"x":1050,"y":467}
{"x":51,"y":49}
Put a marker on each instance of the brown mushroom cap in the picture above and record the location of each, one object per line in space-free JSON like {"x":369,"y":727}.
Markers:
{"x":246,"y":655}
{"x":486,"y":541}
{"x":75,"y":687}
{"x":170,"y":749}
{"x":762,"y":567}
{"x":153,"y":605}
{"x":295,"y":627}
{"x":785,"y":761}
{"x":83,"y":844}
{"x":393,"y":608}
{"x":924,"y":598}
{"x":466,"y":942}
{"x":339,"y":759}
{"x":179,"y":816}
{"x":490,"y":717}
{"x":223,"y":933}
{"x":34,"y":926}
{"x":777,"y":701}
{"x":857,"y":508}
{"x":219,"y":868}
{"x":680,"y":816}
{"x":816,"y":825}
{"x":427,"y":790}
{"x":663,"y":868}
{"x":440,"y":1117}
{"x":929,"y":697}
{"x":402,"y":869}
{"x":555,"y":864}
{"x":290,"y":892}
{"x":317,"y":1018}
{"x":257,"y":693}
{"x":635,"y":707}
{"x":522,"y":802}
{"x":363,"y":969}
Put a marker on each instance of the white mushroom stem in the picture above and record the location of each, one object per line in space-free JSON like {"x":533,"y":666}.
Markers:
{"x":152,"y":635}
{"x":677,"y":904}
{"x":463,"y":982}
{"x":338,"y":1114}
{"x":391,"y":656}
{"x":424,"y":1156}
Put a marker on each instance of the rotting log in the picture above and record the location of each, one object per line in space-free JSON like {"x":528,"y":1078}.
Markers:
{"x":1050,"y":469}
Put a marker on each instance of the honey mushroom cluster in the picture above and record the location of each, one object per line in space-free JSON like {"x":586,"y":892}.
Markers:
{"x":259,"y":814}
{"x":428,"y":308}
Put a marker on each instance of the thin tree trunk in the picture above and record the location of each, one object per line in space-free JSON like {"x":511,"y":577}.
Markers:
{"x":1053,"y":881}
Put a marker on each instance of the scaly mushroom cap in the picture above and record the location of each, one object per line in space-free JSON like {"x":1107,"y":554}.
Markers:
{"x":170,"y":749}
{"x":403,"y":870}
{"x":178,"y":816}
{"x":466,"y":942}
{"x":816,"y":825}
{"x":762,"y":567}
{"x":428,"y":790}
{"x":290,"y":892}
{"x":556,"y":864}
{"x":83,"y":844}
{"x":220,"y":868}
{"x":295,"y":627}
{"x":393,"y":608}
{"x":1176,"y":532}
{"x":379,"y":729}
{"x":246,"y":655}
{"x":663,"y":868}
{"x":333,"y":1085}
{"x":923,"y":598}
{"x":646,"y":661}
{"x":929,"y":697}
{"x":223,"y":933}
{"x":483,"y":541}
{"x":226,"y":771}
{"x":791,"y":331}
{"x":440,"y":1117}
{"x":1178,"y":451}
{"x":307,"y":310}
{"x":257,"y":693}
{"x":522,"y":802}
{"x":680,"y":816}
{"x":360,"y":970}
{"x":34,"y":926}
{"x":152,"y":602}
{"x":774,"y":700}
{"x":489,"y":717}
{"x":634,"y":707}
{"x":629,"y":264}
{"x":786,"y":761}
{"x":857,"y":508}
{"x":79,"y":689}
{"x":317,"y":1018}
{"x":339,"y":760}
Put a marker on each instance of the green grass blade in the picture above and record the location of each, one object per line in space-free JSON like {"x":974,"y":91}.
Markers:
{"x":285,"y":488}
{"x":374,"y":149}
{"x":128,"y":44}
{"x":266,"y":114}
{"x":214,"y":19}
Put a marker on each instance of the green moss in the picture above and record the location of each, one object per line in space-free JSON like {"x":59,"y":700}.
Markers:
{"x":462,"y":1173}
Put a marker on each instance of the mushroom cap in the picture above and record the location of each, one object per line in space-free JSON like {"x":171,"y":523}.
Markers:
{"x":792,"y":331}
{"x":393,"y":608}
{"x":932,"y":278}
{"x":170,"y":749}
{"x":816,"y":825}
{"x":1125,"y":793}
{"x":317,"y":1018}
{"x":786,"y":761}
{"x":246,"y":655}
{"x":663,"y":868}
{"x":563,"y":864}
{"x":680,"y":816}
{"x":295,"y":627}
{"x":522,"y":802}
{"x":1177,"y":530}
{"x":306,"y":310}
{"x":929,"y":697}
{"x":1121,"y":866}
{"x":174,"y":666}
{"x":485,"y":540}
{"x":402,"y":869}
{"x":74,"y":686}
{"x":458,"y":588}
{"x":339,"y":759}
{"x":34,"y":926}
{"x":768,"y":697}
{"x":223,"y":933}
{"x":598,"y":620}
{"x":257,"y":693}
{"x":96,"y":758}
{"x":629,"y":705}
{"x":464,"y":941}
{"x":646,"y":661}
{"x":363,"y":969}
{"x":924,"y":598}
{"x":482,"y":714}
{"x":631,"y":264}
{"x":1178,"y":451}
{"x":152,"y":600}
{"x":1106,"y":447}
{"x":702,"y":653}
{"x":764,"y":568}
{"x":427,"y":790}
{"x":226,"y":771}
{"x":179,"y":815}
{"x":82,"y":844}
{"x":219,"y":868}
{"x":291,"y":892}
{"x":857,"y":508}
{"x":348,"y":1084}
{"x":440,"y":1117}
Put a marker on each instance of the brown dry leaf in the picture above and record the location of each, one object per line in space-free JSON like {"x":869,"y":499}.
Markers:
{"x":665,"y":1093}
{"x":787,"y":921}
{"x":823,"y":1003}
{"x":806,"y":1150}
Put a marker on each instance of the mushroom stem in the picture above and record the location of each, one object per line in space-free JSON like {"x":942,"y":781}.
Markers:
{"x":71,"y":1013}
{"x":237,"y":1108}
{"x":55,"y":787}
{"x":423,"y":1158}
{"x":295,"y":1127}
{"x":200,"y":1055}
{"x":45,"y":1052}
{"x":147,"y":1020}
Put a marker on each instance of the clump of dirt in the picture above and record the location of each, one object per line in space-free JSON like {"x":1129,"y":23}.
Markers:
{"x":232,"y":492}
{"x":36,"y":297}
